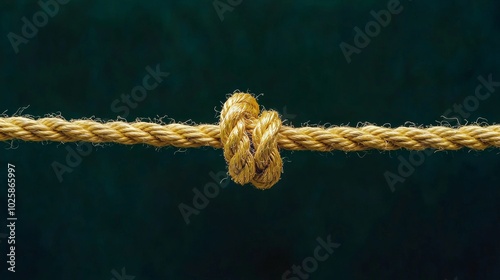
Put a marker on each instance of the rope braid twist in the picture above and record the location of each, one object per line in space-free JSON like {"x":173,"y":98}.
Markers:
{"x":251,"y":139}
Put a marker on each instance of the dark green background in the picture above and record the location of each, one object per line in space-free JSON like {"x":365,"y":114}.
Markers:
{"x":119,"y":207}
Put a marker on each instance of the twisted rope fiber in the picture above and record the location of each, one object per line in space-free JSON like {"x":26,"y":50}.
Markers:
{"x":251,"y":139}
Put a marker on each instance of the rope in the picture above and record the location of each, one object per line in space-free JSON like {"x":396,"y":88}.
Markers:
{"x":251,"y":139}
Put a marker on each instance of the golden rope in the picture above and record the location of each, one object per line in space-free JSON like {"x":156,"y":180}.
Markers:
{"x":251,"y":139}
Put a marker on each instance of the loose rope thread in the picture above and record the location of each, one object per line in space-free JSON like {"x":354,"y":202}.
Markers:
{"x":251,"y":139}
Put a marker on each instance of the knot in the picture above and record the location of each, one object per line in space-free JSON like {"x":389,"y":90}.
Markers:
{"x":250,"y":141}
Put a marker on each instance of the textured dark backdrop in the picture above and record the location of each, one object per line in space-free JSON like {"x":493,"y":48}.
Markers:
{"x":118,"y":208}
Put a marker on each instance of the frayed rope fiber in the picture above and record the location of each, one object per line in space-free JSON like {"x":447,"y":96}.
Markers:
{"x":251,"y":139}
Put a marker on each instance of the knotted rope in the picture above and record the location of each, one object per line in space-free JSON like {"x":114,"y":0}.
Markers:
{"x":251,"y":139}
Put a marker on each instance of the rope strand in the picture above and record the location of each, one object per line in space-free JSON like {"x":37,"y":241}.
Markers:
{"x":251,"y":139}
{"x":347,"y":139}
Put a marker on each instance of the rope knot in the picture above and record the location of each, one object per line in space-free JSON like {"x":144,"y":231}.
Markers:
{"x":250,"y":141}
